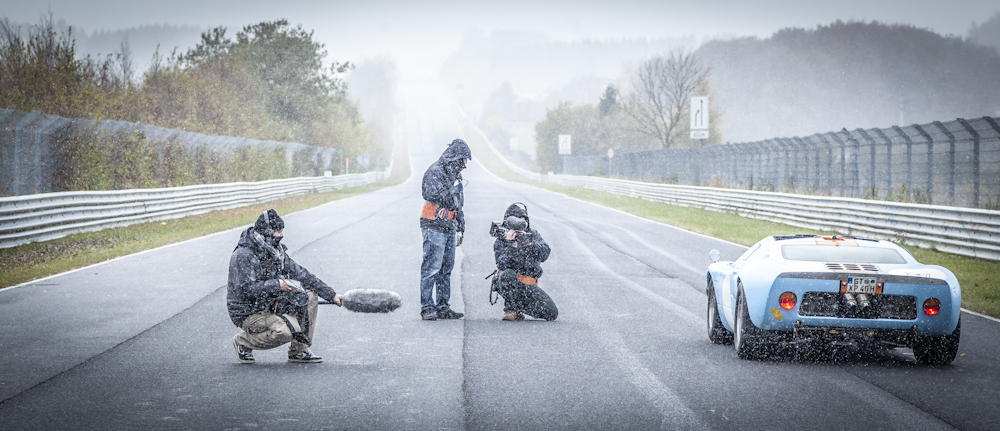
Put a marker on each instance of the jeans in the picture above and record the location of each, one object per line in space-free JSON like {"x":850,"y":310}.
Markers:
{"x":435,"y":271}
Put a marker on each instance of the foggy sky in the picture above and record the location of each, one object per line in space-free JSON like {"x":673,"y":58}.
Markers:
{"x":419,"y":35}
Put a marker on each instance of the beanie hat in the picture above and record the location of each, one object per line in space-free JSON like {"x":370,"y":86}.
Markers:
{"x":518,"y":210}
{"x":268,"y":223}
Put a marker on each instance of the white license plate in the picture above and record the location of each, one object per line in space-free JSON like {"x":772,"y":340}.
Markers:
{"x":869,"y":285}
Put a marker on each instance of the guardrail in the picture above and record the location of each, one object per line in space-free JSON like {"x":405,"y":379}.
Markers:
{"x":46,"y":216}
{"x":510,"y":165}
{"x":964,"y":231}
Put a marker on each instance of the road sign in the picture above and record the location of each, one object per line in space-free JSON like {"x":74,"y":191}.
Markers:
{"x":699,"y":113}
{"x":565,"y":144}
{"x":699,"y":134}
{"x":611,"y":153}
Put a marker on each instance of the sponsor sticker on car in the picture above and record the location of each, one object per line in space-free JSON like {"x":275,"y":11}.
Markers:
{"x":863,"y":284}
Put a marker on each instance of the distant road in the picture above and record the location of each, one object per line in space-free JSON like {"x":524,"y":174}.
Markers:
{"x":143,"y":342}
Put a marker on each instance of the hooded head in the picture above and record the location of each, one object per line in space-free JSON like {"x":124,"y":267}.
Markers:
{"x":518,"y":210}
{"x":453,"y":155}
{"x":267,"y":224}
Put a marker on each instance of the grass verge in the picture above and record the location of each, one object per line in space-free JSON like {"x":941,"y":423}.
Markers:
{"x":36,"y":260}
{"x":979,"y":277}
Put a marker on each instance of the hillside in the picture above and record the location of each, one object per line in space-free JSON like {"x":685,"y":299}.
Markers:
{"x":851,"y":75}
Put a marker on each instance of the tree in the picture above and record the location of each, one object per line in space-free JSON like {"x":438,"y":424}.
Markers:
{"x":609,"y":102}
{"x":580,"y":122}
{"x":662,"y":88}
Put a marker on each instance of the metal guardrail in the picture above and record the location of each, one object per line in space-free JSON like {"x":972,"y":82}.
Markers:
{"x":510,"y":165}
{"x":46,"y":216}
{"x":957,"y":230}
{"x":964,"y":231}
{"x":954,"y":163}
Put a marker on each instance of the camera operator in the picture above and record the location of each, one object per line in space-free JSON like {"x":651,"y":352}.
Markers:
{"x":519,"y":251}
{"x":270,"y":297}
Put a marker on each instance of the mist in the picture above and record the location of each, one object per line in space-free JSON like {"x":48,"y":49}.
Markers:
{"x":554,"y":52}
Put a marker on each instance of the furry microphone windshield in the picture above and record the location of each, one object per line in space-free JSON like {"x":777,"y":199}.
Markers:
{"x":371,"y":300}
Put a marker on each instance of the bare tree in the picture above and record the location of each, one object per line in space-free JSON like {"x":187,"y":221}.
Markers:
{"x":662,"y":87}
{"x":124,"y":54}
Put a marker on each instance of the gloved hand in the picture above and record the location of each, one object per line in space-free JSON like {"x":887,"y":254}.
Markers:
{"x":458,"y":239}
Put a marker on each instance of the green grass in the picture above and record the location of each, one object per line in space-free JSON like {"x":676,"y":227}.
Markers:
{"x":979,"y":293}
{"x":36,"y":260}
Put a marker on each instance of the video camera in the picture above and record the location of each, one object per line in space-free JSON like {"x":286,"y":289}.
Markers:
{"x":500,"y":229}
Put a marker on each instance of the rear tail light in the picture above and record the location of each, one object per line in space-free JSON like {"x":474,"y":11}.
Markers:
{"x":932,"y":306}
{"x":787,"y":300}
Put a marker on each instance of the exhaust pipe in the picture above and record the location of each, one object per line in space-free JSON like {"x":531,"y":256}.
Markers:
{"x":849,"y":299}
{"x":863,"y":300}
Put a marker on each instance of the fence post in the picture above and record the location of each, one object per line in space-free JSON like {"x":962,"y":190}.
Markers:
{"x":930,"y":163}
{"x":815,"y":177}
{"x":888,"y":159}
{"x":871,"y":171}
{"x":909,"y":160}
{"x":951,"y":168}
{"x":843,"y":163}
{"x":975,"y":161}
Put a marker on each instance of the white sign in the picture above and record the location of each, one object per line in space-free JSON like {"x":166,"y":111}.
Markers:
{"x":699,"y":134}
{"x":699,"y":113}
{"x":564,"y":144}
{"x":513,"y":144}
{"x":611,"y":153}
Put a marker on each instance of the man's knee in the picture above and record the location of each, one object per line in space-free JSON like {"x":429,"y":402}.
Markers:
{"x":508,"y":276}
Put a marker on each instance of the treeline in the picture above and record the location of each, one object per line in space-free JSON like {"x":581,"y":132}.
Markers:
{"x":987,"y":33}
{"x":795,"y":83}
{"x":268,"y":82}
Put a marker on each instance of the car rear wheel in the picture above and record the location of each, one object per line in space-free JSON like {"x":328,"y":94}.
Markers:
{"x":716,"y":331}
{"x":938,"y":350}
{"x":747,"y":338}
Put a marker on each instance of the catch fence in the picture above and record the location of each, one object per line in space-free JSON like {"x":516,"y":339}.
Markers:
{"x":31,"y":146}
{"x":954,"y":163}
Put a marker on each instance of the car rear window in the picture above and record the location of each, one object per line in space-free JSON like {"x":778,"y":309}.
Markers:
{"x":826,"y":253}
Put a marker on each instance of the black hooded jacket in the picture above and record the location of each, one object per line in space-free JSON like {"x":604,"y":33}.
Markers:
{"x":253,"y":279}
{"x":523,"y":259}
{"x":442,"y":186}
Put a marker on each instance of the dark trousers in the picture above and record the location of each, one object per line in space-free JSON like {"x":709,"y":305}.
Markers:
{"x":525,"y":298}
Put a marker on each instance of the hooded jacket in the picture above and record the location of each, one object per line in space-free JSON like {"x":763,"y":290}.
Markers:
{"x":523,"y":259}
{"x":253,"y":279}
{"x":442,"y":186}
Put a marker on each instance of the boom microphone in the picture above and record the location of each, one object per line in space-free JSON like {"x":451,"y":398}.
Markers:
{"x":371,"y":300}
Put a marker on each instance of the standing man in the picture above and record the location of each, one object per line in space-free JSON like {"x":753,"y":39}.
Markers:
{"x":443,"y":224}
{"x":270,"y":297}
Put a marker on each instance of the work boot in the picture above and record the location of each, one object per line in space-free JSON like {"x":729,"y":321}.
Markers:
{"x":450,"y":314}
{"x":245,"y":356}
{"x":306,"y":357}
{"x":512,"y":315}
{"x":429,"y":314}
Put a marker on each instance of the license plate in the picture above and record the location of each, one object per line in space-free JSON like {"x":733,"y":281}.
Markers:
{"x":868,"y":285}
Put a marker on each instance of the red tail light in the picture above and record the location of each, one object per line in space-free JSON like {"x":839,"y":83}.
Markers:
{"x":932,"y":306}
{"x":787,"y":300}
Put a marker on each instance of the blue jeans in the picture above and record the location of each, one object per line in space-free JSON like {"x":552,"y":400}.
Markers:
{"x":435,"y":271}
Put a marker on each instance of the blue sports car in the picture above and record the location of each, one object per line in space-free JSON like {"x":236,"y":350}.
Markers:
{"x":809,"y":291}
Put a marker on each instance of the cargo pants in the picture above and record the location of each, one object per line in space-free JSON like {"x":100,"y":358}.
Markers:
{"x":265,"y":330}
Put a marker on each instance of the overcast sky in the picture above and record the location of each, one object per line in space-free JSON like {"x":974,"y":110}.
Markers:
{"x":419,"y":35}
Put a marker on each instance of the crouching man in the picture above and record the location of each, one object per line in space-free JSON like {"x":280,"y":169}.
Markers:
{"x":270,"y":297}
{"x":519,"y":252}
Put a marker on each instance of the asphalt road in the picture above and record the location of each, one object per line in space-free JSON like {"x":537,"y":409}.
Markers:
{"x":144,"y":342}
